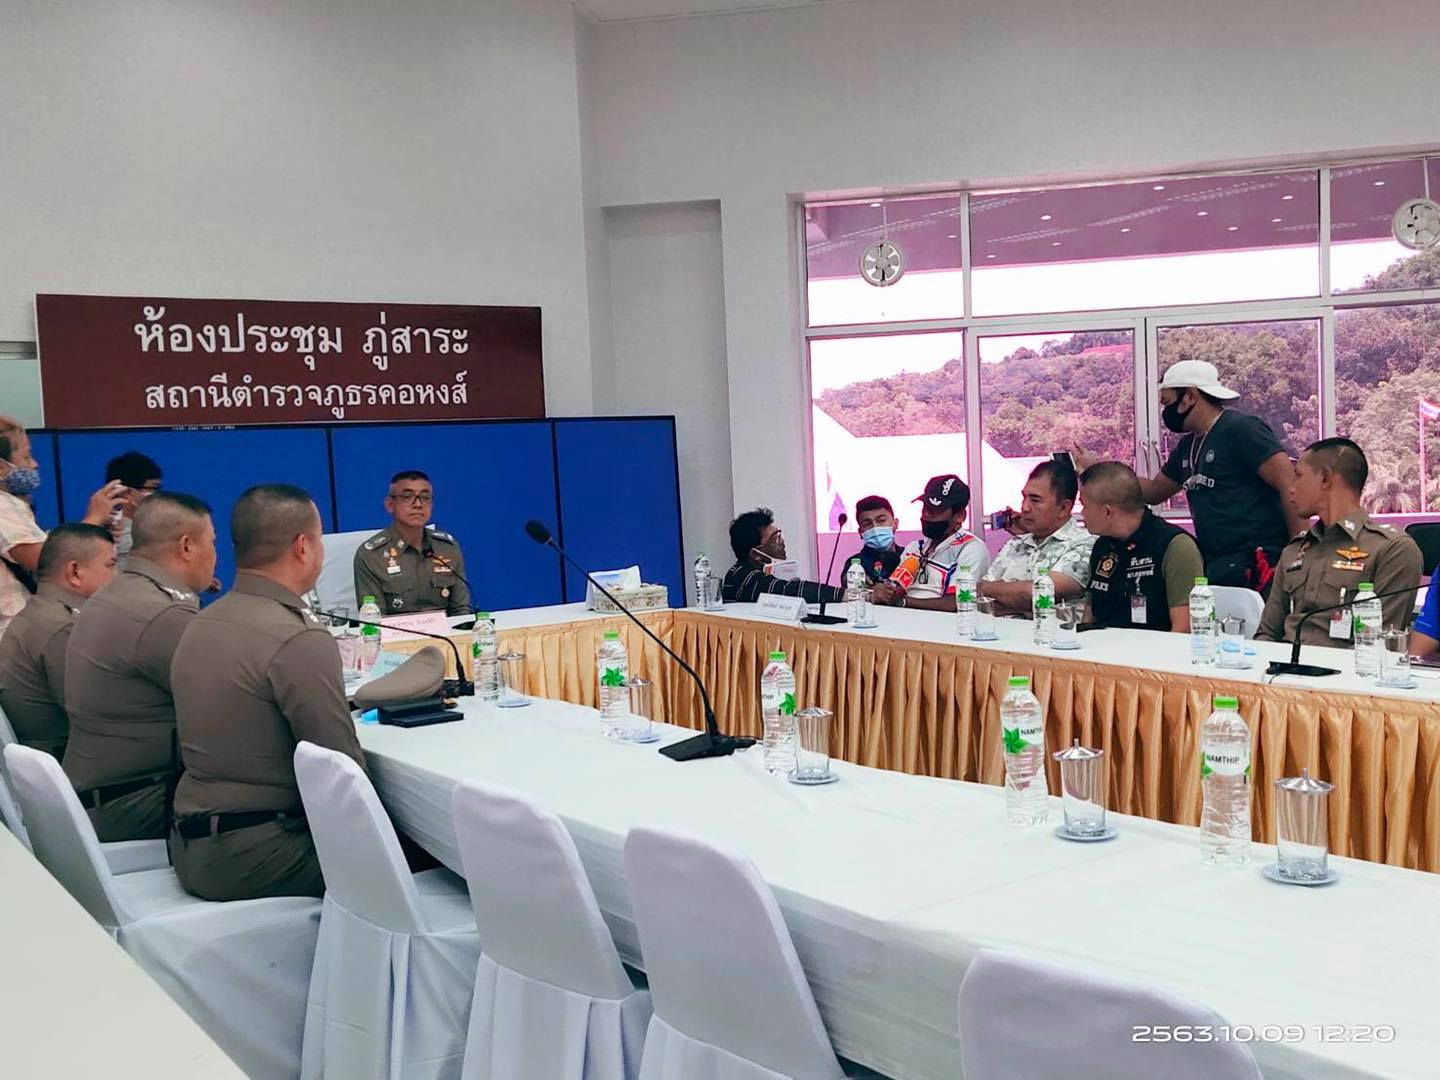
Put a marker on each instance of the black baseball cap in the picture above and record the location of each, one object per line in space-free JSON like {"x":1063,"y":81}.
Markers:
{"x":946,"y":490}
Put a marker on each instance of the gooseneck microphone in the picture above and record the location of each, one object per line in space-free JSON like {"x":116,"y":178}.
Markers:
{"x":459,"y":686}
{"x":822,"y":619}
{"x":709,"y":743}
{"x":1294,"y":667}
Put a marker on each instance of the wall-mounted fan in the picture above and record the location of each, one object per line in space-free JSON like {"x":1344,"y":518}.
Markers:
{"x":1417,"y":224}
{"x":882,"y":264}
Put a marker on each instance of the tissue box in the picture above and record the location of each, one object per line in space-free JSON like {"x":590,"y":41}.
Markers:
{"x":644,"y":598}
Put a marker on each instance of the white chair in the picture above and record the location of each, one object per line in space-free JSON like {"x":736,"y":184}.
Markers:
{"x":551,"y":996}
{"x":395,"y":965}
{"x":1245,"y":604}
{"x":336,"y":587}
{"x":1088,"y":1022}
{"x":731,"y":1002}
{"x":239,"y":969}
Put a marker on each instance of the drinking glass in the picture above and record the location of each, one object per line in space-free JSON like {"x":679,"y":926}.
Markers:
{"x":1082,"y":785}
{"x":512,"y":680}
{"x":861,"y":613}
{"x":714,"y":599}
{"x":1395,"y":659}
{"x":812,"y":748}
{"x":1068,"y":617}
{"x":985,"y":619}
{"x":639,"y":725}
{"x":1232,"y":643}
{"x":1302,"y":818}
{"x":347,"y":640}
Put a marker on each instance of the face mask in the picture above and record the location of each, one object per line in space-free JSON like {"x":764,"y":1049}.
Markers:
{"x":22,"y":482}
{"x":881,"y":537}
{"x":935,"y":530}
{"x":1173,"y":418}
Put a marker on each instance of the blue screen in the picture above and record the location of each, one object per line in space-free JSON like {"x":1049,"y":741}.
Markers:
{"x":46,"y":501}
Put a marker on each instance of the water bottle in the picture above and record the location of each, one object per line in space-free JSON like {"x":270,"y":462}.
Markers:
{"x":1225,"y":785}
{"x":702,"y":578}
{"x":965,"y":603}
{"x":856,"y":585}
{"x":485,"y":657}
{"x":1022,"y":724}
{"x":614,"y":668}
{"x":777,"y":710}
{"x":1368,"y":619}
{"x":369,"y":635}
{"x":1042,"y":605}
{"x":1204,"y":627}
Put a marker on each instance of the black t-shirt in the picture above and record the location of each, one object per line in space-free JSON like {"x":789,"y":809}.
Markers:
{"x":1235,"y":510}
{"x":879,"y":564}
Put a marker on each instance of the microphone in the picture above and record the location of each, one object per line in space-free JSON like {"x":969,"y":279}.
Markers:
{"x":1293,"y":666}
{"x":434,"y":556}
{"x":459,"y":686}
{"x":709,"y":743}
{"x":822,"y":619}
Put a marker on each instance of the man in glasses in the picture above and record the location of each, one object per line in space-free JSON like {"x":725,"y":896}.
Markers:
{"x":408,"y":566}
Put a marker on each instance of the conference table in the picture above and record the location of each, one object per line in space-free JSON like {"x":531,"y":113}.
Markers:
{"x":890,"y":883}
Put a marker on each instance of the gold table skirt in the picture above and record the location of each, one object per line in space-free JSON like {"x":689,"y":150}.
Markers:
{"x":934,"y":709}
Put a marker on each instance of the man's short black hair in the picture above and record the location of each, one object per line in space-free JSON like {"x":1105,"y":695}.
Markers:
{"x":871,"y":503}
{"x":408,"y":474}
{"x":69,"y":541}
{"x":164,"y":517}
{"x":1344,"y":458}
{"x":745,"y":531}
{"x":266,"y":520}
{"x":1063,"y":481}
{"x":133,"y":469}
{"x":1112,"y":483}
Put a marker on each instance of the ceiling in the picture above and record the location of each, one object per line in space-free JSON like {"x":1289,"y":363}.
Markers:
{"x":623,"y":10}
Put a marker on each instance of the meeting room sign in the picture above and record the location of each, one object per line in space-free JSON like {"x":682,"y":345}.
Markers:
{"x":118,"y":361}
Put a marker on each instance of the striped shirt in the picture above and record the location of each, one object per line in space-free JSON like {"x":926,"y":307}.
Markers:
{"x":746,"y":581}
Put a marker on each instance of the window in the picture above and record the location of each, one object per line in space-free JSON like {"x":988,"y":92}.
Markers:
{"x":1364,"y":255}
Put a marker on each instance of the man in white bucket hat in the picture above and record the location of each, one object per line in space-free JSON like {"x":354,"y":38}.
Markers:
{"x":1234,"y":471}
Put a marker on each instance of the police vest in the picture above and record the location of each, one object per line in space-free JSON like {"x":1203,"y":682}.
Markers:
{"x":1121,"y":569}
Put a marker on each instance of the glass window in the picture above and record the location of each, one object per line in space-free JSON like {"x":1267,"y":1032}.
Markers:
{"x":1364,"y":255}
{"x":1201,"y":240}
{"x":1045,"y":392}
{"x":1274,"y":366}
{"x":927,"y":232}
{"x":1387,"y":390}
{"x":888,"y":414}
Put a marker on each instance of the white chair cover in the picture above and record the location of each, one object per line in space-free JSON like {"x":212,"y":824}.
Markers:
{"x":551,"y":998}
{"x":395,"y":965}
{"x":1244,"y":604}
{"x":1024,"y":1019}
{"x":240,"y":969}
{"x":10,"y":813}
{"x":336,"y":587}
{"x":731,"y":1001}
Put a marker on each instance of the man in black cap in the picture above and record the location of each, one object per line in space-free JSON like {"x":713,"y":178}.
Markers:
{"x":930,"y":569}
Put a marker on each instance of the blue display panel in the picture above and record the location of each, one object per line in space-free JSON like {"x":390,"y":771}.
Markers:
{"x":46,"y":501}
{"x":489,"y":480}
{"x":620,"y":500}
{"x":215,"y":465}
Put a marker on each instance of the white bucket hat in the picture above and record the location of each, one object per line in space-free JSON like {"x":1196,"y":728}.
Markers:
{"x":1198,"y":375}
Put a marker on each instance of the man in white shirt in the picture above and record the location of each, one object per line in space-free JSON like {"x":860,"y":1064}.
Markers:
{"x":1045,"y":535}
{"x":929,"y":569}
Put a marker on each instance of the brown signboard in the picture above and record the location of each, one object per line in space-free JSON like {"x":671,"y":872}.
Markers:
{"x":117,"y":361}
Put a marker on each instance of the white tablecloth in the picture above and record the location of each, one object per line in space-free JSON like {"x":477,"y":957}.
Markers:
{"x":890,"y":883}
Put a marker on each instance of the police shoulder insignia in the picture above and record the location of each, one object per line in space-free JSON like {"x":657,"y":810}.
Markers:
{"x":438,"y":535}
{"x":378,"y":541}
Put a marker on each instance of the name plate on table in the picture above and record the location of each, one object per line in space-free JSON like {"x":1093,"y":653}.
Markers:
{"x":776,"y":608}
{"x":404,"y":641}
{"x":404,"y":627}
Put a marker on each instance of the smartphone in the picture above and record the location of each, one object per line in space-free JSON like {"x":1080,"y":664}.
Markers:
{"x":1062,"y":457}
{"x":1000,"y":520}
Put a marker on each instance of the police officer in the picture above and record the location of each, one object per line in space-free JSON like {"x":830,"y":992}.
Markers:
{"x":117,"y":669}
{"x":256,"y":673}
{"x":75,"y":561}
{"x":409,"y":567}
{"x":1326,"y":564}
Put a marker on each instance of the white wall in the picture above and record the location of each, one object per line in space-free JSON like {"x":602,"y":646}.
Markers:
{"x":750,"y":109}
{"x":332,"y":149}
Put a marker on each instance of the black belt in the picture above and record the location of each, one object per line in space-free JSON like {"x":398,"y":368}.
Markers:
{"x":198,"y":825}
{"x":94,"y":798}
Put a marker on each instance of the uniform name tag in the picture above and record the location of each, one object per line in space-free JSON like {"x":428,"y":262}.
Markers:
{"x":1344,"y":564}
{"x":1139,"y":615}
{"x":393,"y":569}
{"x":441,"y":568}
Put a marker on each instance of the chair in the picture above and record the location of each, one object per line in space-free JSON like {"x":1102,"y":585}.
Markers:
{"x":551,"y":996}
{"x":1088,"y":1021}
{"x":1245,"y":604}
{"x":1426,"y":535}
{"x":336,"y":587}
{"x":395,"y":965}
{"x":731,"y":1002}
{"x":239,"y":969}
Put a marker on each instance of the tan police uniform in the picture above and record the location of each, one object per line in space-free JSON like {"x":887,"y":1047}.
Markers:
{"x":117,"y":694}
{"x":32,"y":668}
{"x":1326,"y":565}
{"x":255,"y":673}
{"x":402,"y":579}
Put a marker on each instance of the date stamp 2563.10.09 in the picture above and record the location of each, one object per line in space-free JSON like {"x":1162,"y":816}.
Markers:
{"x":1267,"y":1033}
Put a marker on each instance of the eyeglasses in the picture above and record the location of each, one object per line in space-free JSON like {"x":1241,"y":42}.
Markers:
{"x":414,"y":498}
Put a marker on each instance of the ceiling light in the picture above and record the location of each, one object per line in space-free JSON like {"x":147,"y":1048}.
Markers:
{"x":1125,"y":228}
{"x":1276,"y":220}
{"x":1202,"y":213}
{"x":1231,"y":228}
{"x":1287,"y":198}
{"x":1379,"y":183}
{"x":1054,"y":243}
{"x":874,"y":204}
{"x":1158,"y":187}
{"x":950,"y":236}
{"x":989,"y":256}
{"x":1044,"y":217}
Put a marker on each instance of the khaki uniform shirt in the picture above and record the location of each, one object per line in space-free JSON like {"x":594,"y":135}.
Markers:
{"x":1326,"y":565}
{"x":117,"y":677}
{"x":402,"y":580}
{"x":32,"y":668}
{"x":255,"y":673}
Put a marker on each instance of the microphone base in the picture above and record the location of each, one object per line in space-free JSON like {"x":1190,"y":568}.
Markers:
{"x":706,"y":745}
{"x":457,"y":688}
{"x":1309,"y":671}
{"x":824,"y":620}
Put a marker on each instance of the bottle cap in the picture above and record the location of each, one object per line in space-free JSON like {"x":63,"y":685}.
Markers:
{"x":1367,"y":586}
{"x":1020,"y":680}
{"x":1228,"y":703}
{"x":1202,"y":581}
{"x":368,"y":600}
{"x":777,"y":655}
{"x":612,"y":635}
{"x":482,"y":615}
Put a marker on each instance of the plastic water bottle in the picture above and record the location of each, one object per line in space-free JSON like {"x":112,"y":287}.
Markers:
{"x":777,"y":710}
{"x":369,"y":635}
{"x":485,"y":657}
{"x":702,"y":578}
{"x":1225,"y":785}
{"x":856,"y":585}
{"x":1204,"y":627}
{"x":614,"y":668}
{"x":1368,"y":619}
{"x":1022,"y":724}
{"x":1042,"y":605}
{"x":965,"y":603}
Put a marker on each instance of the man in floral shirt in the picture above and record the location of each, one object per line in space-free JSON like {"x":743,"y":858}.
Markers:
{"x":1046,"y":535}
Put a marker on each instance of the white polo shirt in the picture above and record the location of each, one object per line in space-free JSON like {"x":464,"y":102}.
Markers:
{"x":938,"y":567}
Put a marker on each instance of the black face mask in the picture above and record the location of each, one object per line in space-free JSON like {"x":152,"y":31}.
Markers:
{"x":935,"y":530}
{"x":1173,"y":418}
